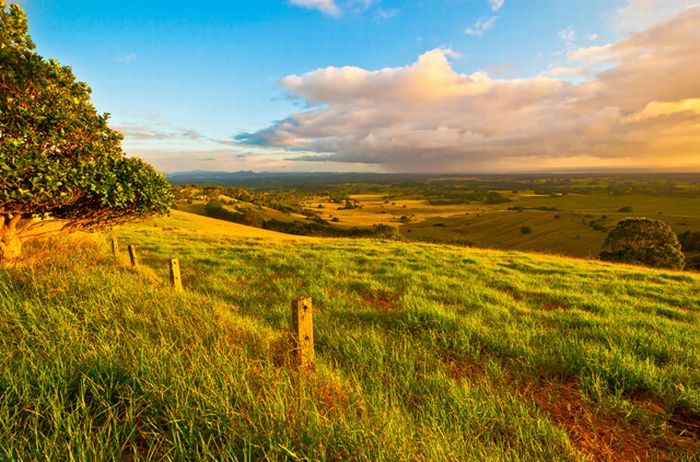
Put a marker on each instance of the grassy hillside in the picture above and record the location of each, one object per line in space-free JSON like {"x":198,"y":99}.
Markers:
{"x":424,"y":352}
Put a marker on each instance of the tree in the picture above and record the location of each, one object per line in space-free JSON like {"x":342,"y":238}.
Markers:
{"x":59,"y":160}
{"x":643,"y":241}
{"x":690,"y":241}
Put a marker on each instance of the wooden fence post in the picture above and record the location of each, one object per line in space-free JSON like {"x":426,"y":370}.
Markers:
{"x":303,"y":331}
{"x":115,"y":247}
{"x":132,"y":256}
{"x":175,"y":279}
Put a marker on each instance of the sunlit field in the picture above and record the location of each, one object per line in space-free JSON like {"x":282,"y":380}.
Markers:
{"x":571,"y":224}
{"x":423,"y":352}
{"x":489,"y":209}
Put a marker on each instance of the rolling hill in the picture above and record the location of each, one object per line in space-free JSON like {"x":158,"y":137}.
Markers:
{"x":424,"y":352}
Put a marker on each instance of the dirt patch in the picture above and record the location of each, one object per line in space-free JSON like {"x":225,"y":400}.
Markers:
{"x":603,"y":435}
{"x":460,"y":369}
{"x":686,"y":424}
{"x":598,"y":437}
{"x":382,"y":300}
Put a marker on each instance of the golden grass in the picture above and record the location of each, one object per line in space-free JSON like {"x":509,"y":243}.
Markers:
{"x":185,"y":222}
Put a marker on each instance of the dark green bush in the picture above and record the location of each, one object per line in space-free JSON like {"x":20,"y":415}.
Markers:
{"x":643,"y":241}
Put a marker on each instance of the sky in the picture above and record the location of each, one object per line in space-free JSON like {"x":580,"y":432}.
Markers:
{"x":440,"y":86}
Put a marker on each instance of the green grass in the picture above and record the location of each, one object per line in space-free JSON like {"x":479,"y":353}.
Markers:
{"x":424,"y":352}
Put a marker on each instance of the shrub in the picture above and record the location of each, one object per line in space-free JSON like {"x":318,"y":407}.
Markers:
{"x":693,"y":263}
{"x":643,"y":241}
{"x":525,"y":230}
{"x":251,"y":218}
{"x":690,"y":241}
{"x":215,"y":209}
{"x":626,"y":209}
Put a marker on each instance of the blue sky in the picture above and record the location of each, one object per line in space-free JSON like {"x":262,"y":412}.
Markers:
{"x":182,"y":77}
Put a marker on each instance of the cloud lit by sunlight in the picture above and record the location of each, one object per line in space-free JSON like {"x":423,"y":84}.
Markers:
{"x":639,"y":111}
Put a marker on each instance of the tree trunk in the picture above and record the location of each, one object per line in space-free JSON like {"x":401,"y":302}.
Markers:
{"x":10,"y":247}
{"x":10,"y":242}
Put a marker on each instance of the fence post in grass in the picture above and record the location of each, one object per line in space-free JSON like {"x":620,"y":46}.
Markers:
{"x":132,"y":256}
{"x":175,"y":279}
{"x":115,"y":247}
{"x":303,"y":331}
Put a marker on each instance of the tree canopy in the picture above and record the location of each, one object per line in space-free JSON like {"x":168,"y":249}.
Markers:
{"x":59,"y":159}
{"x":643,"y":241}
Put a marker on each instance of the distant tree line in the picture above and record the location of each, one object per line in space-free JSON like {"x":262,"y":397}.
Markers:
{"x":314,"y":227}
{"x":690,"y":243}
{"x":466,"y":197}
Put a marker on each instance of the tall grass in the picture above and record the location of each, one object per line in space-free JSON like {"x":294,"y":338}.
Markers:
{"x":423,"y":353}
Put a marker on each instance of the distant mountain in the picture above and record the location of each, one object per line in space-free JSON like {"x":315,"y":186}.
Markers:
{"x":274,"y":180}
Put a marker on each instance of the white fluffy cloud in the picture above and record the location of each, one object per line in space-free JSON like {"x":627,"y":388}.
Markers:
{"x":337,"y":8}
{"x":496,"y":5}
{"x":642,"y":111}
{"x":638,"y":15}
{"x":326,"y":6}
{"x":481,"y":26}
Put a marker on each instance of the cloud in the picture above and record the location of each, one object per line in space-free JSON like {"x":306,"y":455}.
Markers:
{"x":142,"y":132}
{"x":657,"y":109}
{"x":337,"y":8}
{"x":496,"y":5}
{"x":326,"y":6}
{"x":565,"y":71}
{"x":638,"y":15}
{"x":568,"y":36}
{"x":382,"y":14}
{"x":126,"y":58}
{"x":172,"y":160}
{"x":593,"y":54}
{"x":361,"y":5}
{"x":191,"y":134}
{"x":151,"y":130}
{"x":638,"y":111}
{"x":481,"y":26}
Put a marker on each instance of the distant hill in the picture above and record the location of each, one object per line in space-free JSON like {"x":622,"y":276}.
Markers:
{"x":305,"y":180}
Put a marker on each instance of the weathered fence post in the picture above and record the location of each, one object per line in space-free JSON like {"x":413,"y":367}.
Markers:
{"x":132,"y":256}
{"x":115,"y":247}
{"x":175,"y":279}
{"x":303,"y":331}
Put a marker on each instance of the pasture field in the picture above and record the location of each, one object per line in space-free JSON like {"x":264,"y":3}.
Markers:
{"x":424,"y":352}
{"x":558,"y":224}
{"x":564,"y":215}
